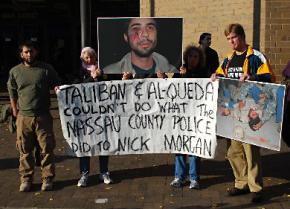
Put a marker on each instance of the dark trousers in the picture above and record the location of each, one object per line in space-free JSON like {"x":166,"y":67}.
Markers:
{"x":85,"y":164}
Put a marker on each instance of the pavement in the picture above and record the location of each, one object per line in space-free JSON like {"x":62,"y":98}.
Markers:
{"x":140,"y":181}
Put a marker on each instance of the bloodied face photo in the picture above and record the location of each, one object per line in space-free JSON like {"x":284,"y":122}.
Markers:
{"x":137,"y":44}
{"x":251,"y":112}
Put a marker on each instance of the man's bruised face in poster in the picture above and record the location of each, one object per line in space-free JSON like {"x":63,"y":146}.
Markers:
{"x":142,"y":36}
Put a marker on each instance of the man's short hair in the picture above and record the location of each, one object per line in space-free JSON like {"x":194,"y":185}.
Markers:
{"x":235,"y":28}
{"x":128,"y":20}
{"x":27,"y":43}
{"x":202,"y":36}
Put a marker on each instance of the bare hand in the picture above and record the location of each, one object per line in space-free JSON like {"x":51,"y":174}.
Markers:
{"x":161,"y":74}
{"x":126,"y":75}
{"x":96,"y":73}
{"x":56,"y":89}
{"x":244,"y":77}
{"x":213,"y":77}
{"x":182,"y":70}
{"x":14,"y":112}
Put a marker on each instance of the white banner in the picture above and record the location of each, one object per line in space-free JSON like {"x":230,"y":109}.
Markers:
{"x":140,"y":116}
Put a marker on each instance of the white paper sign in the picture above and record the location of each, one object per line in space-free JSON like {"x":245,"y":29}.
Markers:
{"x":140,"y":116}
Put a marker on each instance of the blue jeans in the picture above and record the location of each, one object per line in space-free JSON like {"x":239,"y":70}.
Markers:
{"x":85,"y":164}
{"x":180,"y":166}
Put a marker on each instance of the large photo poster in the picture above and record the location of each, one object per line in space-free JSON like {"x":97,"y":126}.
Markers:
{"x":251,"y":112}
{"x":125,"y":44}
{"x":140,"y":116}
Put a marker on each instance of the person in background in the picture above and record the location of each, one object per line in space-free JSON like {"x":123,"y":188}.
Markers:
{"x":245,"y":63}
{"x":211,"y":56}
{"x":193,"y":67}
{"x":286,"y":117}
{"x":90,"y":72}
{"x":29,"y":87}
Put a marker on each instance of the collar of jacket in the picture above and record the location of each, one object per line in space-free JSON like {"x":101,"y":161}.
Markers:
{"x":250,"y":51}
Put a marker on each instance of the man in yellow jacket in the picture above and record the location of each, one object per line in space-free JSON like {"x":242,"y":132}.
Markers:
{"x":245,"y":63}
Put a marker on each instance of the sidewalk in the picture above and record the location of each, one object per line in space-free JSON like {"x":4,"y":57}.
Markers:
{"x":140,"y":181}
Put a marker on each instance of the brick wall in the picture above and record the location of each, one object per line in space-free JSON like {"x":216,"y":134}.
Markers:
{"x":205,"y":16}
{"x":270,"y":30}
{"x":277,"y":34}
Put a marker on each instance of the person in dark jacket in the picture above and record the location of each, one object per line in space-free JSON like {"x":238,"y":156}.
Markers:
{"x":211,"y":56}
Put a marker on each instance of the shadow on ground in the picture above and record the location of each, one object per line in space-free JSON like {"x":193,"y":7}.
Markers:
{"x":12,"y":163}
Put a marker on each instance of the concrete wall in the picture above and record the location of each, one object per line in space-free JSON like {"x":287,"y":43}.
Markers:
{"x":266,"y":23}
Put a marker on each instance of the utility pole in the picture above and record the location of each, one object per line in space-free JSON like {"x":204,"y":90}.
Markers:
{"x":85,"y":16}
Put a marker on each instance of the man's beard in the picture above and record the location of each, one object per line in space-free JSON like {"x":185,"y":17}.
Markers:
{"x":144,"y":53}
{"x":28,"y":61}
